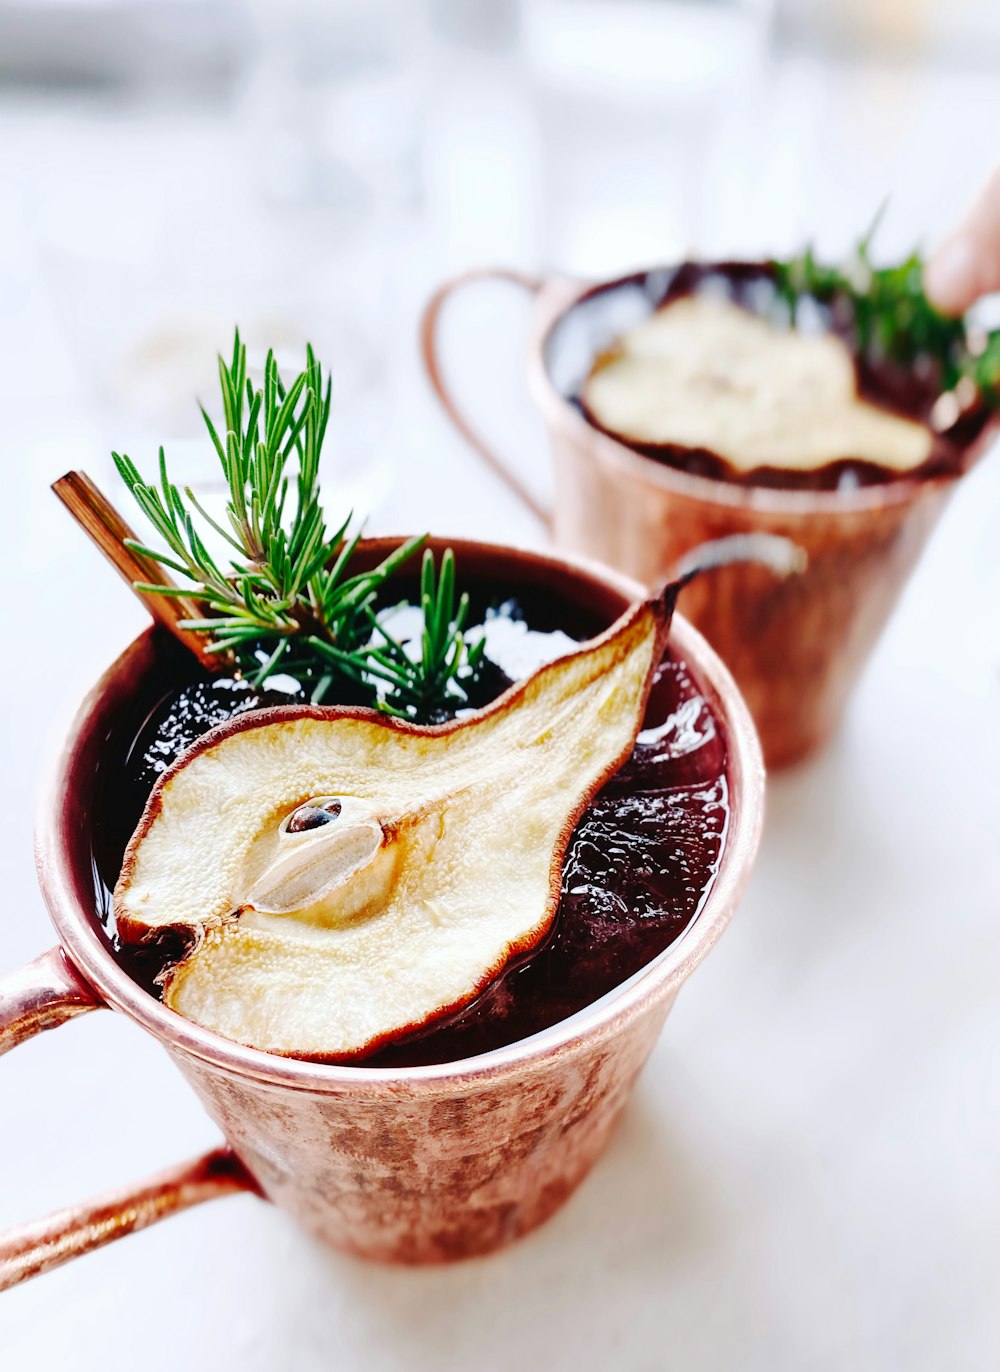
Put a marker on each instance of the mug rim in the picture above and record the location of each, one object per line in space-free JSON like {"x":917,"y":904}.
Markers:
{"x":80,"y":940}
{"x":565,"y":293}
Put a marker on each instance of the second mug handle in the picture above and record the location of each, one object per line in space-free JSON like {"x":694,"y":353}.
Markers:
{"x":429,"y":348}
{"x":43,"y":995}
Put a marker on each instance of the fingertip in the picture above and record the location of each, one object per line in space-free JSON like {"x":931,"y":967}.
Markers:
{"x":951,"y":277}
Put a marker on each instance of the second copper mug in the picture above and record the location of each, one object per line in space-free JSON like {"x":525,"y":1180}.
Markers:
{"x":795,"y":645}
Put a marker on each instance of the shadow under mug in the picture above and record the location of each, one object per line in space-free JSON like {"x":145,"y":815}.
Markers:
{"x":795,"y":645}
{"x":419,"y":1164}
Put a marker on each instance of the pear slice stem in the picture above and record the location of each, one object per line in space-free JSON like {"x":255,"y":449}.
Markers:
{"x":106,"y":528}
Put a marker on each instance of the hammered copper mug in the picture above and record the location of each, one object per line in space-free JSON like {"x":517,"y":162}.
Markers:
{"x":419,"y":1164}
{"x":795,"y":644}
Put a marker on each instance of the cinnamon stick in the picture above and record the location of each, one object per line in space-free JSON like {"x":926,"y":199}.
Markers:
{"x":105,"y":527}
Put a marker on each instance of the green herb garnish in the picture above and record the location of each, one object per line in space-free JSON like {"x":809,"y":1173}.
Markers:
{"x":431,"y":675}
{"x":288,"y":600}
{"x":891,"y":318}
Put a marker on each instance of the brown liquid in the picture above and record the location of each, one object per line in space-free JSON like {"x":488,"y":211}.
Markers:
{"x":593,"y":325}
{"x":639,"y":867}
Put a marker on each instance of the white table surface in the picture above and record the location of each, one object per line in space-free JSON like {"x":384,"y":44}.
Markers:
{"x":806,"y":1178}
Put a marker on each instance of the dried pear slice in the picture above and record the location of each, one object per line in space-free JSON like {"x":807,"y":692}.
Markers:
{"x":705,"y":373}
{"x":351,"y":878}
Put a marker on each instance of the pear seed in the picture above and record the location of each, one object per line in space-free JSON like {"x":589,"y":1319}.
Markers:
{"x":312,"y":816}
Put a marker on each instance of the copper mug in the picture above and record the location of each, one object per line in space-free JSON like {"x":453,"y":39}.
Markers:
{"x":413,"y":1165}
{"x":795,"y":645}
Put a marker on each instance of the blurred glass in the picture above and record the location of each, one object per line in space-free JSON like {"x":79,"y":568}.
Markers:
{"x":942,"y":30}
{"x":273,"y":190}
{"x":333,"y":100}
{"x":485,"y":25}
{"x":146,"y":303}
{"x":161,"y":224}
{"x":635,"y":99}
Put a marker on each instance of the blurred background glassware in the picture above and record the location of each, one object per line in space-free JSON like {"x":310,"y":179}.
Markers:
{"x":901,"y":29}
{"x":610,"y":77}
{"x":292,"y":229}
{"x":333,"y":101}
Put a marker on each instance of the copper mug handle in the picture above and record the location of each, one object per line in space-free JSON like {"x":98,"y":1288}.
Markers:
{"x":429,"y":348}
{"x":42,"y":995}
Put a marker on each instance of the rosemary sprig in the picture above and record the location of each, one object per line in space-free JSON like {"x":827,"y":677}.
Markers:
{"x":891,"y":319}
{"x":438,"y":668}
{"x":288,"y":600}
